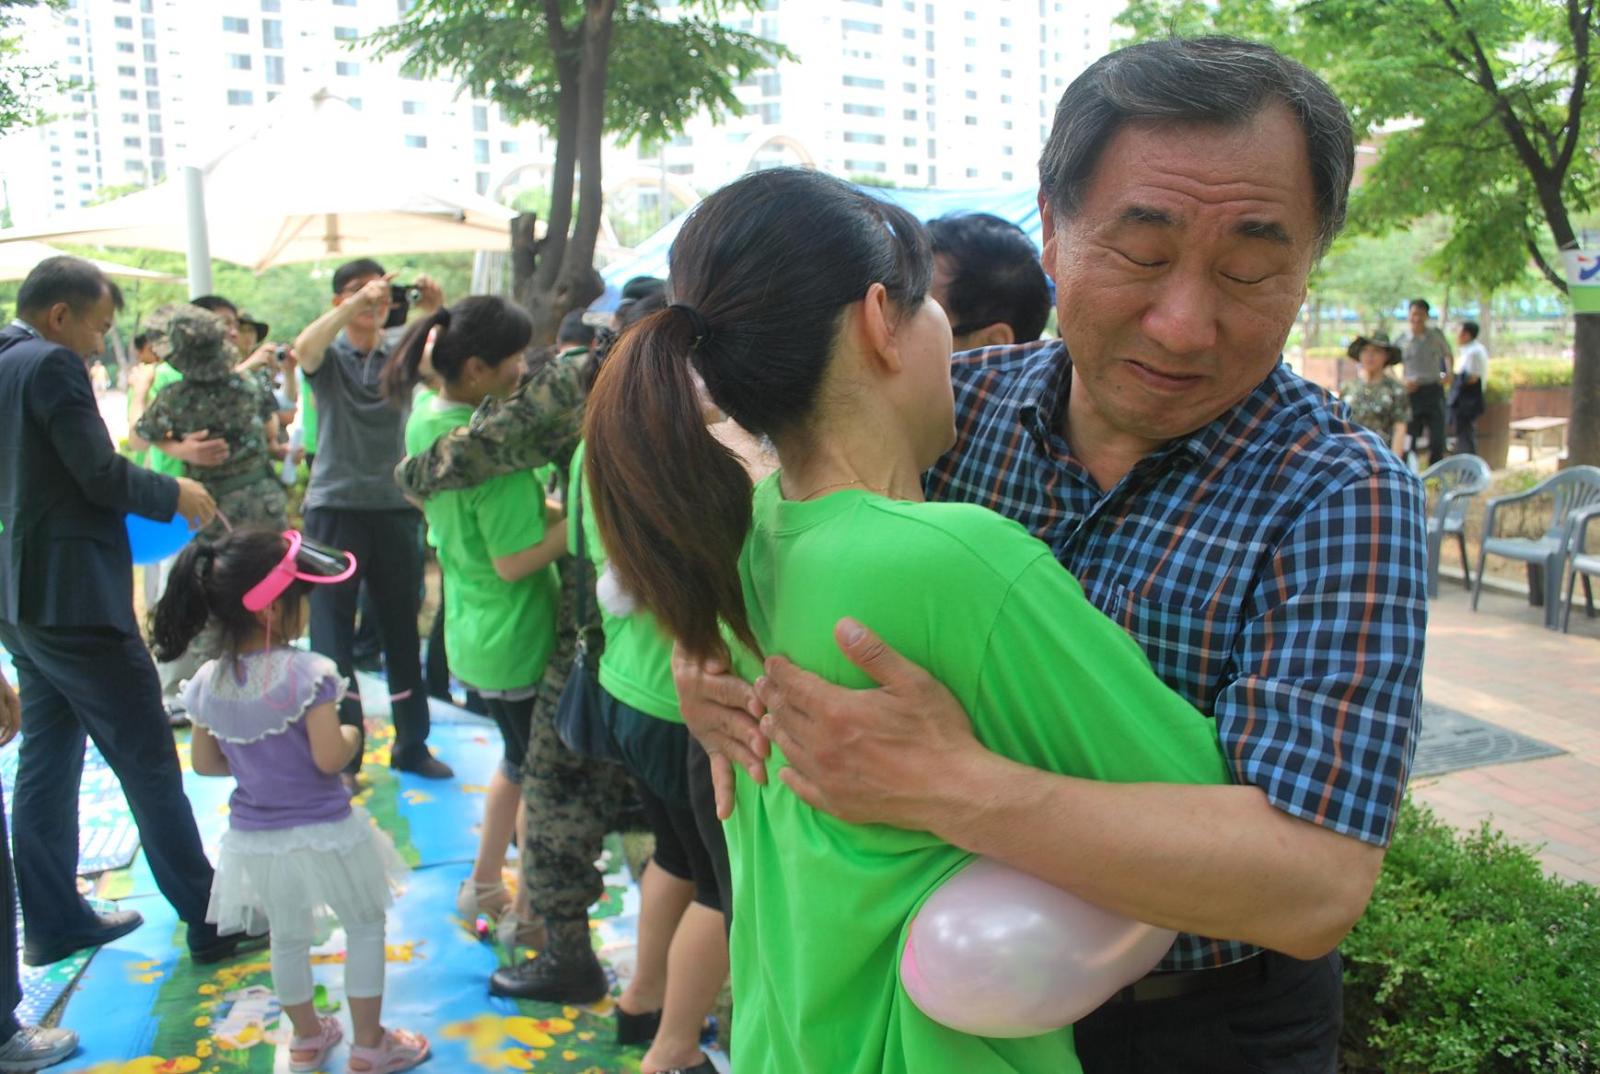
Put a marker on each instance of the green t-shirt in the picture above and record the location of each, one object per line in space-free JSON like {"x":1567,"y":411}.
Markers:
{"x":823,"y":907}
{"x":499,"y":634}
{"x":636,"y":667}
{"x":156,"y":459}
{"x":308,"y":415}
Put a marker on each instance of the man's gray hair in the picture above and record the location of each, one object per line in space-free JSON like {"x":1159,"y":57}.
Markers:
{"x":1222,"y":80}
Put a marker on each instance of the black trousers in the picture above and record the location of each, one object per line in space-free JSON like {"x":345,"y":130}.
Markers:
{"x":99,"y":683}
{"x":703,"y":803}
{"x":388,"y":550}
{"x":10,"y":977}
{"x":1284,"y":1022}
{"x":1427,"y":412}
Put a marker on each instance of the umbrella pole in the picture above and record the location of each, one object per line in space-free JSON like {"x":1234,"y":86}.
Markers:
{"x":194,"y":198}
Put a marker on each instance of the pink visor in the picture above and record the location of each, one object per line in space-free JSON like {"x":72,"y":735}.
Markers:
{"x":306,"y":561}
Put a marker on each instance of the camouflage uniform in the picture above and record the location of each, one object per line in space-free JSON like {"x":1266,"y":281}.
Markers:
{"x":232,"y":406}
{"x":572,"y":801}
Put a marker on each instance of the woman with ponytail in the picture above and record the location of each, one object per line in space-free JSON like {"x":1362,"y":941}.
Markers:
{"x":802,"y":305}
{"x":496,"y":552}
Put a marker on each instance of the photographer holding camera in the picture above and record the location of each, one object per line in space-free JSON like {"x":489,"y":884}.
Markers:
{"x":353,"y":503}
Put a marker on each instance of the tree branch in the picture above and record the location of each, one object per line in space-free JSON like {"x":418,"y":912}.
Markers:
{"x":1554,"y":278}
{"x":1578,"y":23}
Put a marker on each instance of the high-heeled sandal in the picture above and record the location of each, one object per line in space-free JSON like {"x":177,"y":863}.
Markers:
{"x":470,"y":901}
{"x":400,"y":1049}
{"x":329,"y":1034}
{"x":514,"y":931}
{"x":703,"y":1067}
{"x":638,"y":1028}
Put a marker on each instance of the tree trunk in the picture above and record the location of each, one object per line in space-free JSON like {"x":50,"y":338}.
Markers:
{"x":1583,"y":442}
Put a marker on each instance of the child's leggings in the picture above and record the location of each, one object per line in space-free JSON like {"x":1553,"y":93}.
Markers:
{"x":292,"y":936}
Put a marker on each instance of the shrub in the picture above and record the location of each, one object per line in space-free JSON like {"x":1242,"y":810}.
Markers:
{"x":1471,"y":960}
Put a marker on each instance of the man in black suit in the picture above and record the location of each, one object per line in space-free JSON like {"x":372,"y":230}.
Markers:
{"x":66,"y":617}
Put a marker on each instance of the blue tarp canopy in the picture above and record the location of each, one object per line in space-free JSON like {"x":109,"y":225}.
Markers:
{"x":1017,"y":204}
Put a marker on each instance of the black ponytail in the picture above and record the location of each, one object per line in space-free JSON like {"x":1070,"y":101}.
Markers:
{"x":183,"y":611}
{"x":486,"y":327}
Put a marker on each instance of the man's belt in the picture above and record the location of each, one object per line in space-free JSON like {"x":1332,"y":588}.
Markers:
{"x":1190,"y":982}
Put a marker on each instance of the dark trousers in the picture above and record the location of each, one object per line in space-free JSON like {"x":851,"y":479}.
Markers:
{"x":388,"y":550}
{"x":703,"y":803}
{"x":1466,"y":435}
{"x":1427,"y":412}
{"x":10,"y":978}
{"x":1285,"y":1022}
{"x":97,"y":682}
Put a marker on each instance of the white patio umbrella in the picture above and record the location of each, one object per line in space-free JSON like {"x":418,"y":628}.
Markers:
{"x":18,"y":258}
{"x":311,"y":182}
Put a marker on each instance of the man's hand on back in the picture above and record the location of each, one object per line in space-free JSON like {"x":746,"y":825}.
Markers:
{"x":10,"y":712}
{"x":883,"y":756}
{"x":198,"y":448}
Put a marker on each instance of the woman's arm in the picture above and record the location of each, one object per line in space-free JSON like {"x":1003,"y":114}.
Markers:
{"x":205,"y":756}
{"x":333,"y":744}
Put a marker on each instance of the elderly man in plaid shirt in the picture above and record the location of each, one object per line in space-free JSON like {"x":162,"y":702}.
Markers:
{"x":1264,"y":551}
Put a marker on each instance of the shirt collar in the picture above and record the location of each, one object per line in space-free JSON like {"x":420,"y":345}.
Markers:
{"x":26,"y":327}
{"x":1042,"y":390}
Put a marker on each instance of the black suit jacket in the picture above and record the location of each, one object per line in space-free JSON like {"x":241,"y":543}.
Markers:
{"x":64,"y":557}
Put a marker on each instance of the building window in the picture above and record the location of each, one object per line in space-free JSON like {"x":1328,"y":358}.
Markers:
{"x":344,"y":3}
{"x":271,"y":33}
{"x":858,"y":138}
{"x":480,"y":117}
{"x":353,"y":102}
{"x":154,"y":123}
{"x":769,"y":112}
{"x":867,"y":166}
{"x":147,"y":27}
{"x":150,"y":78}
{"x":862,"y":110}
{"x":909,"y":141}
{"x":856,"y":82}
{"x":856,"y":26}
{"x":132,"y":142}
{"x":271,"y":5}
{"x":481,"y":180}
{"x":416,"y":141}
{"x":972,"y":173}
{"x":411,"y":108}
{"x":241,"y":96}
{"x":345,"y":33}
{"x":274,"y":69}
{"x":122,"y":46}
{"x":509,"y":147}
{"x":123,"y":22}
{"x":480,"y":151}
{"x":346,"y":68}
{"x":126,"y":72}
{"x":911,"y":169}
{"x":128,"y":94}
{"x":152,"y":100}
{"x":238,"y":61}
{"x":232,"y":24}
{"x":149,"y":54}
{"x":972,"y":121}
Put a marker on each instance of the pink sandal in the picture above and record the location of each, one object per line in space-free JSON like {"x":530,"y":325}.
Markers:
{"x":328,"y":1037}
{"x":401,"y":1050}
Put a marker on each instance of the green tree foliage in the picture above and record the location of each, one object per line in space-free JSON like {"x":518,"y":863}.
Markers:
{"x":582,"y":69}
{"x":1479,"y":108}
{"x":22,"y":84}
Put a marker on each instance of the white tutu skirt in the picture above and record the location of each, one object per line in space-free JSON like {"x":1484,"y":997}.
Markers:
{"x":347,"y":865}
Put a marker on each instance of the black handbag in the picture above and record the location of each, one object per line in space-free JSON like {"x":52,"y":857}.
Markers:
{"x":579,"y":722}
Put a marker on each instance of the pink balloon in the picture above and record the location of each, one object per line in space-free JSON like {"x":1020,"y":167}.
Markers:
{"x":998,"y":953}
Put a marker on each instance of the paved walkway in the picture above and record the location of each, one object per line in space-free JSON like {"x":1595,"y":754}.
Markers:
{"x":1501,"y":665}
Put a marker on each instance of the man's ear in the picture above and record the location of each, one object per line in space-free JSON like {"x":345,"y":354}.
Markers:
{"x":998,"y":334}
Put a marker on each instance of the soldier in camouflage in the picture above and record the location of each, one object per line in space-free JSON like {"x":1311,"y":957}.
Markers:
{"x":234,"y":407}
{"x":571,"y":801}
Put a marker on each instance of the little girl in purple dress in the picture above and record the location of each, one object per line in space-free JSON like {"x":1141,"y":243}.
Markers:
{"x":296,"y":849}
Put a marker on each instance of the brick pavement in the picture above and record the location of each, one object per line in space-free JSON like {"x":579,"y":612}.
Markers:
{"x":1501,"y":665}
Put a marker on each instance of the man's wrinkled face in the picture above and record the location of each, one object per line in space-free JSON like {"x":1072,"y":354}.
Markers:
{"x":83,"y":330}
{"x":1183,"y":269}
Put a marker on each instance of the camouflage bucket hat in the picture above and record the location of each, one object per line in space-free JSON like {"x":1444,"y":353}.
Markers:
{"x":194,"y":340}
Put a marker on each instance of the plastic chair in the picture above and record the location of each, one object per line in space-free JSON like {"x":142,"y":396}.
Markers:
{"x":1570,"y":491}
{"x":1459,"y":478}
{"x":1581,"y":561}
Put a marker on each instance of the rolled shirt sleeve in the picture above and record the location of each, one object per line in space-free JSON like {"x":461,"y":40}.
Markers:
{"x":1324,"y":713}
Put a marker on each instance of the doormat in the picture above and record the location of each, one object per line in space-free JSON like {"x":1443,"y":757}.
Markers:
{"x":1452,"y":741}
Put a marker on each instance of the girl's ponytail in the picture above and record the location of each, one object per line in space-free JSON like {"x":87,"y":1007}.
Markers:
{"x":183,"y":610}
{"x":672,"y":503}
{"x":402,"y":372}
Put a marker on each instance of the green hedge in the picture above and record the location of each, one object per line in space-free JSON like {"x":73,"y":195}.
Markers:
{"x":1471,"y":960}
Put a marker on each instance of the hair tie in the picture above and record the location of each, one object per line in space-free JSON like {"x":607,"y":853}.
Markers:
{"x":442,"y":318}
{"x":697,"y":323}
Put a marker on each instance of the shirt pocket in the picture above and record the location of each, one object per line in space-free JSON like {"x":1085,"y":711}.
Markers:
{"x":1191,"y":648}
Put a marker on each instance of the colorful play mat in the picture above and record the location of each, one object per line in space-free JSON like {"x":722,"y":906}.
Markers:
{"x":141,"y":1007}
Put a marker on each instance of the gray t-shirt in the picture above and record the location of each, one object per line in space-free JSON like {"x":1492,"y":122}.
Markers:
{"x":361,"y":437}
{"x":1427,"y":357}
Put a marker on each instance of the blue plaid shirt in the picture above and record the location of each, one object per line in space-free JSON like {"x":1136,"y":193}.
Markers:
{"x":1271,"y":565}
